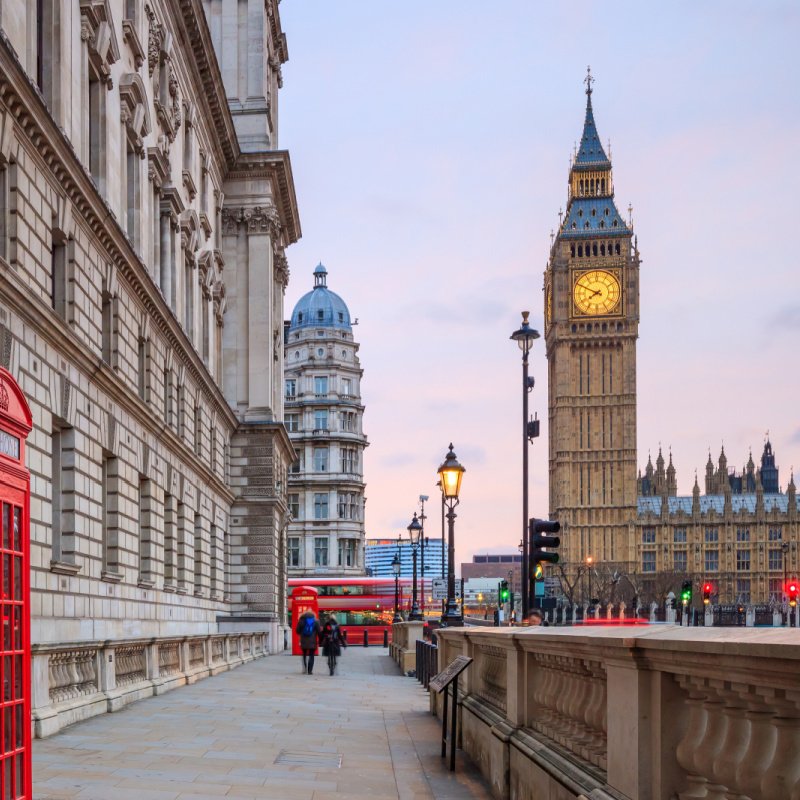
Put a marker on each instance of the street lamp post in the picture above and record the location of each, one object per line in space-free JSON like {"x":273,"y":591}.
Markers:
{"x":414,"y":530}
{"x":422,"y":518}
{"x":589,"y":561}
{"x":450,"y":475}
{"x":524,"y":337}
{"x":439,"y":484}
{"x":784,"y":587}
{"x":396,"y":572}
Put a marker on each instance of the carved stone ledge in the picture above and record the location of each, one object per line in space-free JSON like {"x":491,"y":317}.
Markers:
{"x":64,"y":567}
{"x":131,"y":38}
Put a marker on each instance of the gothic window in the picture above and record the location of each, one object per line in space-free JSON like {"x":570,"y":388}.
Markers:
{"x":679,"y":561}
{"x":572,"y":250}
{"x":601,"y":224}
{"x":743,"y":534}
{"x":614,"y":224}
{"x":580,"y":251}
{"x":649,"y":562}
{"x":743,"y":560}
{"x":594,"y":212}
{"x":679,"y":536}
{"x":586,"y":224}
{"x":574,"y":226}
{"x":711,"y":535}
{"x":775,"y":534}
{"x":712,"y":561}
{"x":775,"y":559}
{"x":742,"y":590}
{"x":617,"y":248}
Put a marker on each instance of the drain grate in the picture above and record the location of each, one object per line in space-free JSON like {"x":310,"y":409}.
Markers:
{"x":309,"y":759}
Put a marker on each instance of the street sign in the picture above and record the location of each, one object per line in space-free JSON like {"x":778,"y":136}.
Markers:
{"x":440,"y":588}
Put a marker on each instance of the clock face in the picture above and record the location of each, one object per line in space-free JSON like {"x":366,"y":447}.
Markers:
{"x":596,"y":292}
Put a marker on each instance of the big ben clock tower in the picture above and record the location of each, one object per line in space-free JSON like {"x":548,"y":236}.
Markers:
{"x":591,"y":290}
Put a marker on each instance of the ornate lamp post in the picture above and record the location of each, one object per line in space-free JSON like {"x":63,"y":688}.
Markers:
{"x":414,"y":531}
{"x":524,"y":337}
{"x":396,"y":573}
{"x":450,"y":475}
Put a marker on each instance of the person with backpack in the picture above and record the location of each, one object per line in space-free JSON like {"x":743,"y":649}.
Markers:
{"x":332,"y":642}
{"x":309,"y":630}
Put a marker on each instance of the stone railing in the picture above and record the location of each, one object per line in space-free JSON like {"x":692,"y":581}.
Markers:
{"x":645,"y":713}
{"x":403,"y":647}
{"x":71,"y":682}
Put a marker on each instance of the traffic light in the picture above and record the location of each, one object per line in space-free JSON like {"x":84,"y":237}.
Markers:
{"x":707,"y":589}
{"x":540,"y":532}
{"x":504,"y":593}
{"x":791,"y":591}
{"x":686,"y":593}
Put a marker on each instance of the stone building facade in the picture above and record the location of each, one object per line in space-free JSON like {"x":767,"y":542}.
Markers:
{"x":324,"y":417}
{"x":144,"y":214}
{"x":591,"y":292}
{"x":741,"y":535}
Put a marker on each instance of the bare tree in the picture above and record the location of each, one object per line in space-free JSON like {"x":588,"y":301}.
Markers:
{"x":571,"y":581}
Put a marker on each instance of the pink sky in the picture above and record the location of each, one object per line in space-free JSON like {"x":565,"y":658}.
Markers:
{"x":430,"y":145}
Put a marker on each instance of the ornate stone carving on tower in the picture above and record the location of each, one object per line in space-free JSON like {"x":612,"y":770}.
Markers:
{"x":591,"y":294}
{"x":324,"y":417}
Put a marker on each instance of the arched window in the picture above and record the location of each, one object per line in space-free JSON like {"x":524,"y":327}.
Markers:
{"x":580,"y":251}
{"x":594,"y":249}
{"x":617,"y":248}
{"x":574,"y":226}
{"x":602,"y":248}
{"x":572,"y":250}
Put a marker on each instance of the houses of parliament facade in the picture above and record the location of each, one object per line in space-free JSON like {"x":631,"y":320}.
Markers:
{"x":741,"y":534}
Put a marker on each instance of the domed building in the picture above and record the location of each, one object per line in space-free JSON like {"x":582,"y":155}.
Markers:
{"x":323,"y":415}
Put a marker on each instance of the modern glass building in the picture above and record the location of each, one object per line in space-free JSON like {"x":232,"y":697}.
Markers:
{"x":379,"y":554}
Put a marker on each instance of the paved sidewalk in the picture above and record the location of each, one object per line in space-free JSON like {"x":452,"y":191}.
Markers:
{"x":263,"y":730}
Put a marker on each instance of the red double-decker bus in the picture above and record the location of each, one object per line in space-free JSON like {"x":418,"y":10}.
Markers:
{"x":359,"y":604}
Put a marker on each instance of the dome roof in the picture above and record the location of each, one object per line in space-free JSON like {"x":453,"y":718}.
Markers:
{"x":320,"y":308}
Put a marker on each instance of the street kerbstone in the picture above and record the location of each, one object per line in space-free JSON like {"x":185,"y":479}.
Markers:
{"x":222,"y":736}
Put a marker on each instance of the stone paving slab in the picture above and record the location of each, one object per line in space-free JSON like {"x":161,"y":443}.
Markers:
{"x":222,"y":736}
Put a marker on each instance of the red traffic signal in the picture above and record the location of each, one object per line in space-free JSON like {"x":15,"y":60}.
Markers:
{"x":792,"y":590}
{"x":707,"y":590}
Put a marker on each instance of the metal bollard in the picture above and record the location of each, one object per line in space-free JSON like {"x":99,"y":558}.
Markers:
{"x":344,"y":635}
{"x":385,"y":637}
{"x":366,"y":638}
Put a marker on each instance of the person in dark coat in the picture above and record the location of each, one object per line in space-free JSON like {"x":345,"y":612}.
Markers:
{"x":332,"y":639}
{"x":308,"y":629}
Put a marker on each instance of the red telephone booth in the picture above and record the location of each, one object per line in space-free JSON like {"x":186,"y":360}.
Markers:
{"x":15,"y":654}
{"x":304,"y":598}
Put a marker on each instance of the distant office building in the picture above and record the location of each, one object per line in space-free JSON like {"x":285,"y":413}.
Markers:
{"x":494,"y":565}
{"x":379,"y":554}
{"x":324,"y":419}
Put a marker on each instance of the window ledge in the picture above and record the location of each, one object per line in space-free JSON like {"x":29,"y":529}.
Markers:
{"x":64,"y":567}
{"x":111,"y":577}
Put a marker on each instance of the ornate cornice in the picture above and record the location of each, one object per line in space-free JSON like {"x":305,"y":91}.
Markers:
{"x":264,"y":220}
{"x":34,"y":122}
{"x":277,"y":167}
{"x":207,"y":76}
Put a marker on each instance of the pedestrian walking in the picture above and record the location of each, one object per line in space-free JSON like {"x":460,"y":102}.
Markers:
{"x":332,"y":642}
{"x":308,"y":629}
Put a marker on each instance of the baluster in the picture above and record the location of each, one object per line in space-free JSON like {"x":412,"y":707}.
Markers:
{"x":737,"y":739}
{"x":689,"y":747}
{"x":716,"y":729}
{"x":754,"y":762}
{"x":783,"y":774}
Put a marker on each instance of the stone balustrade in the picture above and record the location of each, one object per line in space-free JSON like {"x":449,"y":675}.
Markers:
{"x":640,"y":712}
{"x":72,"y":682}
{"x":403,"y":647}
